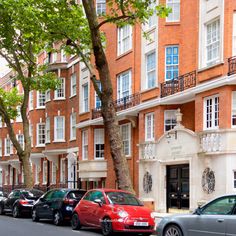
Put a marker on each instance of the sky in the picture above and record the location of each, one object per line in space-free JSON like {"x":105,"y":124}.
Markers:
{"x":3,"y":67}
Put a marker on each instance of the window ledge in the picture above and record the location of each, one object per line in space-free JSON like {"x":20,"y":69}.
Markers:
{"x":40,"y":108}
{"x":59,"y":99}
{"x":172,"y":23}
{"x":149,"y":89}
{"x":210,"y":67}
{"x":84,"y":112}
{"x":59,"y":141}
{"x":124,"y":54}
{"x":73,"y":139}
{"x":40,"y":145}
{"x":72,"y":96}
{"x":48,"y":101}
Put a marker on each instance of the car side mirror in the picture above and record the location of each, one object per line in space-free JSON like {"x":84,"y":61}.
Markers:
{"x":198,"y":211}
{"x":99,"y":202}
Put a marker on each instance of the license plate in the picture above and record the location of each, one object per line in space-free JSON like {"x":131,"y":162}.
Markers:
{"x":140,"y":223}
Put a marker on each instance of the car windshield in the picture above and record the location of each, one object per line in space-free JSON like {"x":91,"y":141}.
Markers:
{"x":122,"y":198}
{"x":77,"y":195}
{"x":31,"y":194}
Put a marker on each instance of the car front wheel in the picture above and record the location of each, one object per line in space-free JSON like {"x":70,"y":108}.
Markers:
{"x":107,"y":229}
{"x":173,"y":230}
{"x":75,"y":222}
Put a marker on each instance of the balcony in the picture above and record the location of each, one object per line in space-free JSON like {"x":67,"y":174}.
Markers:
{"x":178,"y":84}
{"x":210,"y":142}
{"x":120,"y":104}
{"x":232,"y":65}
{"x":148,"y":151}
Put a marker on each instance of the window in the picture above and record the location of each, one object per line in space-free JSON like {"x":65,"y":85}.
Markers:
{"x":20,"y":138}
{"x":151,"y":70}
{"x":211,"y":112}
{"x":126,"y":138}
{"x":98,"y":102}
{"x":73,"y":85}
{"x":59,"y":130}
{"x":124,"y":39}
{"x":54,"y":173}
{"x":85,"y":98}
{"x":174,"y":16}
{"x":40,"y":134}
{"x":101,"y":7}
{"x":18,"y":118}
{"x":234,"y":108}
{"x":98,"y":143}
{"x":0,"y":147}
{"x":152,"y":21}
{"x":40,"y":99}
{"x":172,"y":62}
{"x":45,"y":171}
{"x":149,"y":127}
{"x":31,"y":134}
{"x":54,"y":57}
{"x":5,"y":177}
{"x":124,"y":85}
{"x":60,"y":91}
{"x":63,"y":171}
{"x":235,"y":179}
{"x":213,"y":42}
{"x":73,"y":126}
{"x":31,"y":100}
{"x":48,"y":95}
{"x":85,"y":144}
{"x":63,"y":56}
{"x":47,"y":130}
{"x":8,"y":147}
{"x":170,"y":119}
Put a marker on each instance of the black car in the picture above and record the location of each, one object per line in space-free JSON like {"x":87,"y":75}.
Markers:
{"x":19,"y":201}
{"x":57,"y":205}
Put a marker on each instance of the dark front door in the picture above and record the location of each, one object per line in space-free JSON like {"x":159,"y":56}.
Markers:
{"x":178,"y":187}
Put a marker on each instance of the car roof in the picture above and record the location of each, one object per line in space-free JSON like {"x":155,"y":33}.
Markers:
{"x":110,"y":190}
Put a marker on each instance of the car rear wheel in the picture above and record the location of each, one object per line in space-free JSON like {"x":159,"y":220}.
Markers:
{"x":107,"y":229}
{"x":57,"y":218}
{"x":173,"y":230}
{"x":35,"y":217}
{"x":16,"y":212}
{"x":1,"y":210}
{"x":75,"y":222}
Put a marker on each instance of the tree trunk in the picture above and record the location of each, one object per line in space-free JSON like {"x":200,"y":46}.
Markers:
{"x":112,"y":128}
{"x":28,"y":177}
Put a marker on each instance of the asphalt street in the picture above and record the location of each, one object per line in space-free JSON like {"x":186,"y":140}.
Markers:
{"x":10,"y":226}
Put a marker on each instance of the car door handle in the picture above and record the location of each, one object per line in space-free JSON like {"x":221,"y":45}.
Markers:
{"x":220,"y":220}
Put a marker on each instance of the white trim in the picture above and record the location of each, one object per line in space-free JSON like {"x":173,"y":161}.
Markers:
{"x":56,"y":139}
{"x":45,"y":171}
{"x":62,"y":88}
{"x":129,"y":139}
{"x":152,"y":127}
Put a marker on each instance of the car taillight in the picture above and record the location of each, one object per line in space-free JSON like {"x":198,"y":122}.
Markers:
{"x":69,"y":201}
{"x":23,"y":202}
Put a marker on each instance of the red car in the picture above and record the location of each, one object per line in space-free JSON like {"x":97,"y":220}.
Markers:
{"x":112,"y":211}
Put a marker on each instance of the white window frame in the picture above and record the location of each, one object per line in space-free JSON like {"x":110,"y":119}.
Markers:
{"x":18,"y":118}
{"x":40,"y":100}
{"x":170,"y":115}
{"x":149,"y":127}
{"x":84,"y":144}
{"x":152,"y":20}
{"x":99,"y":139}
{"x":73,"y":126}
{"x":63,"y":170}
{"x":47,"y":95}
{"x":45,"y":172}
{"x":233,"y":110}
{"x":124,"y":39}
{"x":126,"y":140}
{"x":36,"y":174}
{"x":214,"y":41}
{"x":151,"y":71}
{"x":54,"y":57}
{"x":174,"y":16}
{"x":73,"y":85}
{"x":63,"y":56}
{"x":85,"y":100}
{"x":40,"y":139}
{"x":31,"y":100}
{"x":20,"y":139}
{"x":8,"y":147}
{"x":121,"y":91}
{"x":100,"y":7}
{"x":59,"y":93}
{"x":53,"y":173}
{"x":213,"y":114}
{"x":47,"y":130}
{"x":172,"y":65}
{"x":97,"y":99}
{"x":58,"y":129}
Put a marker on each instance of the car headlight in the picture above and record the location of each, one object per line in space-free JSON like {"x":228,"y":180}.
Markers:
{"x":122,"y":214}
{"x":152,"y":215}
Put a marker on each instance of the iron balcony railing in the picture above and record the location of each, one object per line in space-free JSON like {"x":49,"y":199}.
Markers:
{"x":178,"y":84}
{"x":232,"y":65}
{"x":120,"y":104}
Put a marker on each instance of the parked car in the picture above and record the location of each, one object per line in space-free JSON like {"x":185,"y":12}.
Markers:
{"x":57,"y":205}
{"x":113,"y":211}
{"x":19,"y":201}
{"x":217,"y":217}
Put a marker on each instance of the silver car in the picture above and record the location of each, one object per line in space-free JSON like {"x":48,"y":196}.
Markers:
{"x":218,"y":217}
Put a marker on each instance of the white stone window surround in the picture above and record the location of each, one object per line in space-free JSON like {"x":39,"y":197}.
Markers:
{"x":211,"y":112}
{"x":210,"y":11}
{"x":59,"y":129}
{"x":174,"y":16}
{"x":149,"y":126}
{"x":124,"y":39}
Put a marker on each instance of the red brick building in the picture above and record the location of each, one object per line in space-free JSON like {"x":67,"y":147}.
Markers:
{"x":176,"y":161}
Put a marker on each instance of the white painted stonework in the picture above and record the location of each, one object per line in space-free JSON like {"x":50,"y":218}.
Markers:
{"x":215,"y":150}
